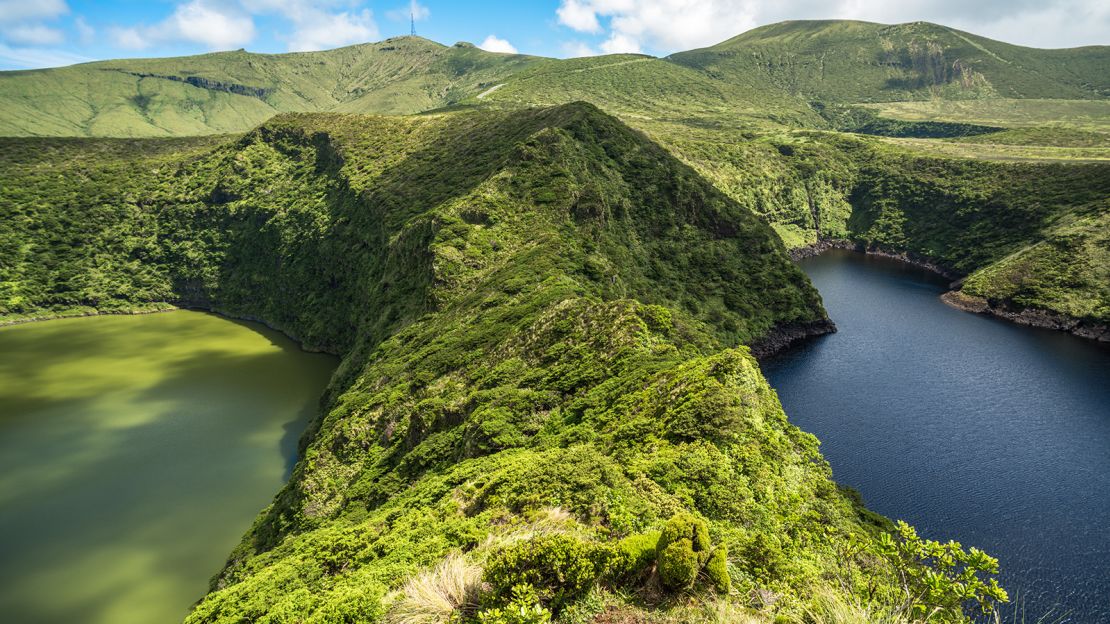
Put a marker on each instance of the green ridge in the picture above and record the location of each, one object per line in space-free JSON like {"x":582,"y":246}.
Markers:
{"x":543,"y":312}
{"x":541,"y":315}
{"x":847,"y":61}
{"x":235,"y":91}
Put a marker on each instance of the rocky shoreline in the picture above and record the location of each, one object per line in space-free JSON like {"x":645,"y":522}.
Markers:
{"x":1030,"y":317}
{"x":956,"y":298}
{"x":822,"y":246}
{"x":788,"y":334}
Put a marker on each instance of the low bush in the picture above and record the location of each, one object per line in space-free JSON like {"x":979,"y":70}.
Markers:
{"x":560,"y":568}
{"x":685,"y":553}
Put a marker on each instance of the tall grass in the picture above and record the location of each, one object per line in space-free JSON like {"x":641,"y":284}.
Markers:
{"x":437,"y":595}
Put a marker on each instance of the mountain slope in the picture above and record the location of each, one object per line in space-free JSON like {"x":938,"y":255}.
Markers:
{"x":767,"y":74}
{"x":415,"y":164}
{"x":639,"y":88}
{"x":540,"y":314}
{"x":235,"y":91}
{"x":847,"y":61}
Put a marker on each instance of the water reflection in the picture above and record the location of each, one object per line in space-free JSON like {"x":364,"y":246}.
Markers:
{"x":134,"y":453}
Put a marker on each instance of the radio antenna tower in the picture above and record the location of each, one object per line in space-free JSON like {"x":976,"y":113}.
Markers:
{"x":412,"y":24}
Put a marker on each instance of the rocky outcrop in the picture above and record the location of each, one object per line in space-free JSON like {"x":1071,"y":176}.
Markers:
{"x":212,"y":85}
{"x":788,"y":334}
{"x":1031,"y":317}
{"x":820,"y":247}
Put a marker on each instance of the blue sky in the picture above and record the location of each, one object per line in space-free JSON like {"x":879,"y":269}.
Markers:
{"x":44,"y":33}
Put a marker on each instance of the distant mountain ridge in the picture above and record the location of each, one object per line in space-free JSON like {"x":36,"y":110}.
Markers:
{"x":769,"y":72}
{"x":849,"y":61}
{"x":235,"y":91}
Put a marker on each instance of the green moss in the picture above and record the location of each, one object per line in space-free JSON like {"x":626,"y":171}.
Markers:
{"x":716,"y":569}
{"x":633,"y":557}
{"x":678,"y":565}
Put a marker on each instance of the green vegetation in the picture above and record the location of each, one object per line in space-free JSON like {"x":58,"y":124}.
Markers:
{"x":846,"y":61}
{"x":541,"y":315}
{"x":1041,"y":219}
{"x":235,"y":91}
{"x":1006,"y":112}
{"x":546,"y":408}
{"x":685,"y":554}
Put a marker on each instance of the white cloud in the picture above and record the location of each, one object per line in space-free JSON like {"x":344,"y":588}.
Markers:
{"x":35,"y":58}
{"x":213,"y":25}
{"x":84,"y":31}
{"x":216,"y":26}
{"x":619,"y":43}
{"x":317,"y":25}
{"x":579,"y":15}
{"x":33,"y":34}
{"x":493,"y":43}
{"x":25,"y":23}
{"x":415,"y":10}
{"x":1059,"y":25}
{"x":671,"y":25}
{"x":129,"y":38}
{"x":330,"y":30}
{"x":28,"y":10}
{"x":576,"y":49}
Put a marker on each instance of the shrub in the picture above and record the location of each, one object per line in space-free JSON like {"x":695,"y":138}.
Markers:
{"x":684,"y":551}
{"x":678,"y":565}
{"x":632,"y":557}
{"x":560,"y":568}
{"x":522,"y":609}
{"x":685,"y":526}
{"x":717,"y":569}
{"x":942,"y":577}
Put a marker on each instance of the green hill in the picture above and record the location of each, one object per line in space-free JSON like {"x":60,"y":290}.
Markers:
{"x":643,"y":89}
{"x":544,"y":400}
{"x":546,"y":313}
{"x":847,"y":61}
{"x":235,"y":91}
{"x":767,"y":75}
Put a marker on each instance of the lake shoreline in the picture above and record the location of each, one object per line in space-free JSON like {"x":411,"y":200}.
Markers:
{"x":88,"y":312}
{"x":970,"y":429}
{"x":160,"y":308}
{"x":956,"y":298}
{"x":1030,"y":317}
{"x":784,"y":336}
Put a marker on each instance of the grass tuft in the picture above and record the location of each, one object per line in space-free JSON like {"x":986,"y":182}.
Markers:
{"x":437,"y":595}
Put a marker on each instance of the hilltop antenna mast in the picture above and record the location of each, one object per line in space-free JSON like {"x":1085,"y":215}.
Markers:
{"x":412,"y":23}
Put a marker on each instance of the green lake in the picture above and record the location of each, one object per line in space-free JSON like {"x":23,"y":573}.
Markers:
{"x":135,"y":451}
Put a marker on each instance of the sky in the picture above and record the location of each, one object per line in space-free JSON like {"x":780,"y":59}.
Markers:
{"x":48,"y":33}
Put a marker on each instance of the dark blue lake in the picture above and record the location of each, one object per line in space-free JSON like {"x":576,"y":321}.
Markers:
{"x":968,"y":427}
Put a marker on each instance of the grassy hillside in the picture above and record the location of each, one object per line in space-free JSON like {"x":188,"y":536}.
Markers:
{"x":969,"y":215}
{"x":235,"y":91}
{"x":543,"y":400}
{"x":765,"y":76}
{"x":641,"y":88}
{"x":847,"y":61}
